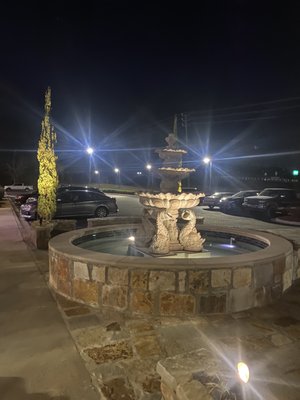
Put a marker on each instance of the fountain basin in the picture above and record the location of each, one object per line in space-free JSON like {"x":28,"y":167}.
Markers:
{"x":171,"y":286}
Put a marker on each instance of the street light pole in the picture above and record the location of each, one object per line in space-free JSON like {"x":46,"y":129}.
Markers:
{"x":208,"y":161}
{"x":150,"y":179}
{"x":117,"y":171}
{"x":90,"y":152}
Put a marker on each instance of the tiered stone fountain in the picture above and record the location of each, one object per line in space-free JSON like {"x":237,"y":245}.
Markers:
{"x":167,"y":206}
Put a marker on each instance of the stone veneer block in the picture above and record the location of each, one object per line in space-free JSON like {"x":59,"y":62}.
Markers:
{"x":289,"y":262}
{"x":240,"y":299}
{"x":276,"y":291}
{"x":117,"y":276}
{"x":85,"y":291}
{"x":287,"y":279}
{"x":181,"y":281}
{"x":176,"y":304}
{"x":242,"y":277}
{"x":142,"y":302}
{"x":63,"y":276}
{"x":139,"y":279}
{"x":98,"y":274}
{"x":263,"y":275}
{"x":114,"y":296}
{"x":220,"y":277}
{"x":213,"y":303}
{"x":279,"y":266}
{"x":161,"y":280}
{"x":81,"y":270}
{"x":198,"y":281}
{"x":263,"y":296}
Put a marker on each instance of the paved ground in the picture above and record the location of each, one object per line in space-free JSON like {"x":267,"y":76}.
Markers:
{"x":38,"y":358}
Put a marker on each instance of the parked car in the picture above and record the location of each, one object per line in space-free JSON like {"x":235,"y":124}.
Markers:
{"x":193,"y":190}
{"x":71,"y":187}
{"x":22,"y":198}
{"x":18,"y":186}
{"x":75,"y":203}
{"x":233,"y":204}
{"x":272,"y":201}
{"x":215,"y":199}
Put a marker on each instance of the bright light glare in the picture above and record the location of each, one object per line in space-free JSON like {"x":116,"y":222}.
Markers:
{"x":243,"y":371}
{"x":132,"y":238}
{"x":96,"y":172}
{"x":90,"y":150}
{"x":149,"y":166}
{"x":116,"y":170}
{"x":139,"y":173}
{"x":206,"y":160}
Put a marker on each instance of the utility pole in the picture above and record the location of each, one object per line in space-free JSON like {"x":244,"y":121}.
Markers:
{"x":183,"y":118}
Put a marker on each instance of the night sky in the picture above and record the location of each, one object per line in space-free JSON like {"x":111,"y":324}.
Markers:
{"x":120,"y":71}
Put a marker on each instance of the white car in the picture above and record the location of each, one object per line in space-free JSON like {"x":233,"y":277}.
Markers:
{"x":18,"y":186}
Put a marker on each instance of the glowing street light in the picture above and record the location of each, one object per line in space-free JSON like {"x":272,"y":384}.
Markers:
{"x":149,"y":167}
{"x":206,"y":160}
{"x":96,"y":172}
{"x":116,"y":170}
{"x":243,"y":372}
{"x":90,"y":150}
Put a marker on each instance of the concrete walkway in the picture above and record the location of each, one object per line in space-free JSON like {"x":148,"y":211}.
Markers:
{"x":38,"y":358}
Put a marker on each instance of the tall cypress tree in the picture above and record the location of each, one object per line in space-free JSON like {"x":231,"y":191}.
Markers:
{"x":48,"y":178}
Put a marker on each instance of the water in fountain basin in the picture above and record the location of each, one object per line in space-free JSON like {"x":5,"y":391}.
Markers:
{"x":122,"y":243}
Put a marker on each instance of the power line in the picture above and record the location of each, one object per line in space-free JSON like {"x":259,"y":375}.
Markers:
{"x":250,"y":112}
{"x":287,"y":99}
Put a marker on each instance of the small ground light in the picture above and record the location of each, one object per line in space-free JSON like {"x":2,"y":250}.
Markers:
{"x":243,"y":372}
{"x":131,"y":238}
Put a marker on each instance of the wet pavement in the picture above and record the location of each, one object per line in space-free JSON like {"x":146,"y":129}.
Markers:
{"x":121,"y":354}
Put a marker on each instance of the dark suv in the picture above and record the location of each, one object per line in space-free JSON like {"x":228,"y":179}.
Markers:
{"x":272,"y":201}
{"x":75,"y":203}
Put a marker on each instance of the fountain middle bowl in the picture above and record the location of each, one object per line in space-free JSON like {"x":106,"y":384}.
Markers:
{"x":161,"y":286}
{"x":170,"y":200}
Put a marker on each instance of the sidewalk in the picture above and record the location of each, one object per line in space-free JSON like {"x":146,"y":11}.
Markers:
{"x":38,"y":358}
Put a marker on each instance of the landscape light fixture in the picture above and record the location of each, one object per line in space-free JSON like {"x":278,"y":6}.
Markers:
{"x":243,"y":372}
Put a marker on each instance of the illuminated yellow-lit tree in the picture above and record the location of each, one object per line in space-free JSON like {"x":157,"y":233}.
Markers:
{"x":48,"y":178}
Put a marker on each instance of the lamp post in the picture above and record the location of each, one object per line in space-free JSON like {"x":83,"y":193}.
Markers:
{"x":207,"y":161}
{"x":150,"y":176}
{"x":90,"y":152}
{"x":96,"y":172}
{"x":117,"y":172}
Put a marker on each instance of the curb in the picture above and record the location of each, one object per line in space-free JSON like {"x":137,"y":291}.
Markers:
{"x":286,"y":222}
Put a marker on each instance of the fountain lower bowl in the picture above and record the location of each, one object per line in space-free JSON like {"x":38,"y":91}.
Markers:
{"x":163,"y":286}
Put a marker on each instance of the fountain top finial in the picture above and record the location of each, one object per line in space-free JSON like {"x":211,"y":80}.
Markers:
{"x":171,"y":139}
